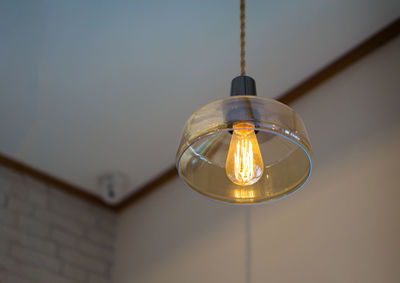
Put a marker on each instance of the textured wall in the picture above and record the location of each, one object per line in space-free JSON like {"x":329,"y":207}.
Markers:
{"x":49,"y":236}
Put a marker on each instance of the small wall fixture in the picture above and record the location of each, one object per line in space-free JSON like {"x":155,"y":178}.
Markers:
{"x":244,"y":149}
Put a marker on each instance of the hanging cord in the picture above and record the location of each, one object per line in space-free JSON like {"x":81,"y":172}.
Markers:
{"x":242,"y":37}
{"x":248,"y":244}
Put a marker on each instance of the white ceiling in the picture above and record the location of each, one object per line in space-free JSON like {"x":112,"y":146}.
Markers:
{"x":88,"y":87}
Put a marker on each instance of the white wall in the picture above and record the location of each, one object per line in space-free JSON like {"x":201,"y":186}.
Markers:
{"x":343,"y":226}
{"x":47,"y":235}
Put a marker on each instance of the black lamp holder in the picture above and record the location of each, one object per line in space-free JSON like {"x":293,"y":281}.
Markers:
{"x":243,"y":85}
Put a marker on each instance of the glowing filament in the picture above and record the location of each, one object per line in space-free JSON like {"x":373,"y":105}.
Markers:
{"x":244,"y":164}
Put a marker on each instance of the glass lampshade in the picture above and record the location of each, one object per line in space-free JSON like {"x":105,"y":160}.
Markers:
{"x":282,"y":139}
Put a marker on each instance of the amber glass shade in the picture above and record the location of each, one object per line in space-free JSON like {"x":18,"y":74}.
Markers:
{"x":282,"y":140}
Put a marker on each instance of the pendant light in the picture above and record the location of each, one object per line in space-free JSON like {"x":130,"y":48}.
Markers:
{"x":244,"y":149}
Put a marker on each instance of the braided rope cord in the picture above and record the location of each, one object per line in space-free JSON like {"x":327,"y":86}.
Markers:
{"x":242,"y":37}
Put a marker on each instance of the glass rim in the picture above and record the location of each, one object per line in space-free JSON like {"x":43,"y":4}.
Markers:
{"x":304,"y":147}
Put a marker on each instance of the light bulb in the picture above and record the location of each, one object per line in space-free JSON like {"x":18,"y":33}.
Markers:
{"x":244,"y":164}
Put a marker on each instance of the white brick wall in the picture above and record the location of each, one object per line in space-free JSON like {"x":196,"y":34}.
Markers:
{"x":47,"y":235}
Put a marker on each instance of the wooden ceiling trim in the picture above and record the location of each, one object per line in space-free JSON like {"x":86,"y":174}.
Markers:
{"x":53,"y":182}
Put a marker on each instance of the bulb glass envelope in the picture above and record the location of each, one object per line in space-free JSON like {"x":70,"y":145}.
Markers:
{"x":282,"y":138}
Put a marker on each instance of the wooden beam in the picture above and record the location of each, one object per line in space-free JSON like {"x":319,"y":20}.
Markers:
{"x":148,"y":188}
{"x":50,"y":180}
{"x":351,"y":57}
{"x":359,"y":52}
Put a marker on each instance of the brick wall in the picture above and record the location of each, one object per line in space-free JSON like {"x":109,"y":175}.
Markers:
{"x":47,"y":235}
